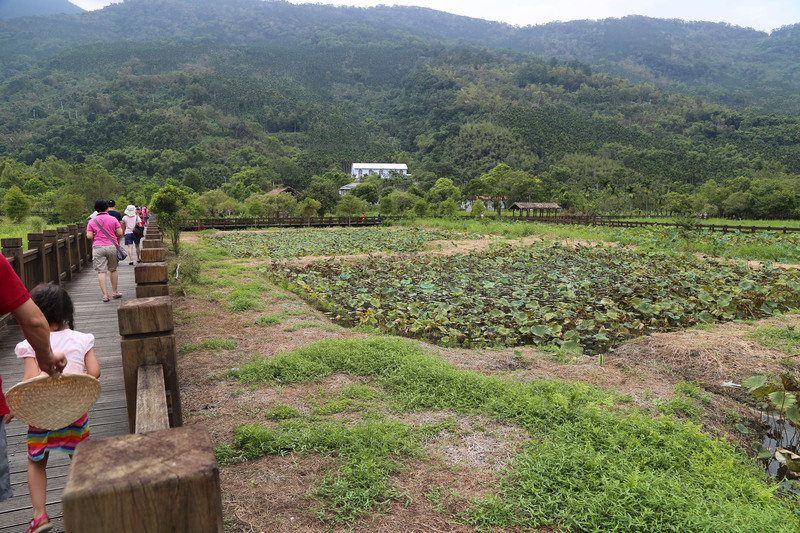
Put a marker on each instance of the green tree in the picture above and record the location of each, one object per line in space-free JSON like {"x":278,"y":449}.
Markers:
{"x":70,"y":207}
{"x":350,"y":205}
{"x":35,"y":187}
{"x":279,"y":205}
{"x":402,"y":201}
{"x":677,"y":203}
{"x":215,"y":199}
{"x":16,"y":204}
{"x":171,"y":207}
{"x":254,"y":207}
{"x":367,"y":192}
{"x":478,"y":209}
{"x":421,"y":208}
{"x":309,"y":208}
{"x":325,"y":191}
{"x":386,"y":205}
{"x":441,"y":190}
{"x":448,"y":207}
{"x":505,"y":185}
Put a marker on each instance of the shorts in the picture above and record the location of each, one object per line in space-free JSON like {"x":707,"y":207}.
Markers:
{"x":104,"y":258}
{"x":5,"y":474}
{"x":131,"y":238}
{"x":42,"y":441}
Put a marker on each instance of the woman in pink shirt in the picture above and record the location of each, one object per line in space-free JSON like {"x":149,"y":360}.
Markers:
{"x":104,"y":249}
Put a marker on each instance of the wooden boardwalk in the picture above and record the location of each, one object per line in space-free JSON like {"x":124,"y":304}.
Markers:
{"x":107,"y":418}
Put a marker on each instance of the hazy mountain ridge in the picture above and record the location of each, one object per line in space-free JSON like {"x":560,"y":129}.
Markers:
{"x":28,"y":8}
{"x":736,"y":66}
{"x":245,"y":94}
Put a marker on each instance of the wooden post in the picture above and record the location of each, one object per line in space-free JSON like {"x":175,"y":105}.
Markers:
{"x":36,"y":242}
{"x":159,"y":482}
{"x":12,"y":247}
{"x":86,"y":244}
{"x":151,"y":243}
{"x":151,"y":279}
{"x":146,"y":327}
{"x":51,"y":238}
{"x":63,"y":233}
{"x":153,"y":255}
{"x":75,"y":244}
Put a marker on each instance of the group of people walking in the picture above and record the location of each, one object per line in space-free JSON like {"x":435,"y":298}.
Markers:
{"x":106,"y":226}
{"x":52,"y":345}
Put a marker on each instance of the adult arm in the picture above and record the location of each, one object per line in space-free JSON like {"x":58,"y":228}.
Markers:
{"x":89,"y":232}
{"x":37,"y":332}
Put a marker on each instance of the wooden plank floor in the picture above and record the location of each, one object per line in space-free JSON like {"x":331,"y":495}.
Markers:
{"x":107,"y":418}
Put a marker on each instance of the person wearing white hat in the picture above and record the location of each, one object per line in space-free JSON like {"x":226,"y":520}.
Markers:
{"x":130,"y":221}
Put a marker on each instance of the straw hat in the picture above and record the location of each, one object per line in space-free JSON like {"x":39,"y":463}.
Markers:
{"x":130,"y":210}
{"x":53,"y":402}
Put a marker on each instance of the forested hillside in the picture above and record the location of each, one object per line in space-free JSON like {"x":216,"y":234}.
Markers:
{"x":246,"y":95}
{"x":26,"y":8}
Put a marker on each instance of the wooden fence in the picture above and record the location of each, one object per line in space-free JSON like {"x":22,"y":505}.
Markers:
{"x":162,"y":477}
{"x":54,"y":255}
{"x":240,"y":223}
{"x":282,"y":222}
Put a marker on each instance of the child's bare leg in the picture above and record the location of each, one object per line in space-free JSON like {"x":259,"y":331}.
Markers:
{"x":37,"y":484}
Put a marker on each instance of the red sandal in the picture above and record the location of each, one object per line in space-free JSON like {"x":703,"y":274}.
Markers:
{"x":40,"y":525}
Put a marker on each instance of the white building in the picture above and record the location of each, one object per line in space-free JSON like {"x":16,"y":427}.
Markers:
{"x":384,"y":170}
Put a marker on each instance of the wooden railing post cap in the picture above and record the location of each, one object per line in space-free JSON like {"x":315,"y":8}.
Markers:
{"x":11,"y":242}
{"x":145,"y":315}
{"x":160,"y":481}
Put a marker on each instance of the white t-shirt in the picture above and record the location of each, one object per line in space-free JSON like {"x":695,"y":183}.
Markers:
{"x":73,"y":343}
{"x":131,"y":221}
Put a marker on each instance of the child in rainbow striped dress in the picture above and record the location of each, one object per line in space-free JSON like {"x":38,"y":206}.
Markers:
{"x":57,"y":307}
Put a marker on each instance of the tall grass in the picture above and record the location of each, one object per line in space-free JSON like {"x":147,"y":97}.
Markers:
{"x":29,"y":225}
{"x":589,"y":465}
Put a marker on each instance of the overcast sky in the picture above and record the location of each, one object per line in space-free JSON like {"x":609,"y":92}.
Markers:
{"x":762,"y":15}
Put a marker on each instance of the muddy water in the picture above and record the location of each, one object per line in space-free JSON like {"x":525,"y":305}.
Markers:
{"x":779,"y":435}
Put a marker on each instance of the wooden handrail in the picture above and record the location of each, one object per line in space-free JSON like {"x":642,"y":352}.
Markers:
{"x":235,"y":223}
{"x":152,"y":413}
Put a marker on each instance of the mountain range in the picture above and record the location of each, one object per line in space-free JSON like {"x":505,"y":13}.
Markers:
{"x":27,"y":8}
{"x":739,"y":67}
{"x":244,"y":94}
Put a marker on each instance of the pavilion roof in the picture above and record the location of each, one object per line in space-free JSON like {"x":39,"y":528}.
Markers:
{"x":535,"y":205}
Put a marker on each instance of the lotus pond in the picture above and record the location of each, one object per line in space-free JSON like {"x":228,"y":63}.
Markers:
{"x":339,"y":241}
{"x":575,"y":299}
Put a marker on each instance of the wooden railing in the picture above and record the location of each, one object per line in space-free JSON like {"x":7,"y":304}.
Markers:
{"x":162,"y":477}
{"x":283,"y":222}
{"x":54,"y":255}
